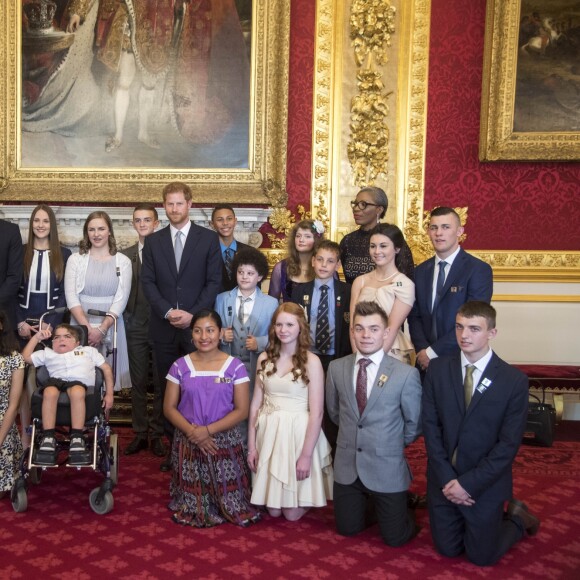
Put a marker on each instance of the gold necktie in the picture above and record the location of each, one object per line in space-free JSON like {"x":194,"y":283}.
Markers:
{"x":468,"y":384}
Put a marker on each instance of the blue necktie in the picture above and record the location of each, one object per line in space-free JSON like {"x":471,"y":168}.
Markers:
{"x":438,"y":292}
{"x":322,"y":337}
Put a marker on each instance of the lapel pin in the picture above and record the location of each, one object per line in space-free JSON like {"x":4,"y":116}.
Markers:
{"x":454,"y":289}
{"x":382,"y":380}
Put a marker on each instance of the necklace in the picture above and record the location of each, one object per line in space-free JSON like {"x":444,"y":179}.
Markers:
{"x":387,"y":278}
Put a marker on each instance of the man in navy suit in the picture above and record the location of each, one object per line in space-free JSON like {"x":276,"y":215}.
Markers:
{"x":11,"y":260}
{"x":474,"y":412}
{"x":442,"y":284}
{"x":176,"y":291}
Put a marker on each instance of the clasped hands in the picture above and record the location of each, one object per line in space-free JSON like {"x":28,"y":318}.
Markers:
{"x":200,"y":436}
{"x":453,"y":491}
{"x":228,"y":336}
{"x":179,"y":318}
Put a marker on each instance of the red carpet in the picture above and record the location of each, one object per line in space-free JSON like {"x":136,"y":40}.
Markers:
{"x":60,"y":537}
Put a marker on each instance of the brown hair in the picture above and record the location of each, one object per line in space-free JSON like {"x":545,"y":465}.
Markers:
{"x":177,"y":187}
{"x":368,"y":309}
{"x":293,"y":263}
{"x":475,"y":308}
{"x":300,"y":357}
{"x":85,"y":244}
{"x":55,"y":257}
{"x":144,"y":206}
{"x":327,"y":245}
{"x":74,"y":330}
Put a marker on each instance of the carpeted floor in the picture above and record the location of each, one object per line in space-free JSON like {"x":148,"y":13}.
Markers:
{"x":60,"y":537}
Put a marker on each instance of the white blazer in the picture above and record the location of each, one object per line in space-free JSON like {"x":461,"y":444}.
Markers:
{"x":75,"y":275}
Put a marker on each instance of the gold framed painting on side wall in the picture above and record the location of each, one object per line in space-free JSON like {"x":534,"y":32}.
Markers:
{"x":531,"y":81}
{"x":99,"y":106}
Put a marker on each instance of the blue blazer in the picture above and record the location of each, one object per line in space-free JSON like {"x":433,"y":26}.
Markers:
{"x":56,"y":296}
{"x":259,"y":321}
{"x":194,"y":287}
{"x":468,"y":279}
{"x":487,"y":437}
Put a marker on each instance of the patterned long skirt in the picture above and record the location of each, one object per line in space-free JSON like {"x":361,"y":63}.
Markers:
{"x":207,"y":490}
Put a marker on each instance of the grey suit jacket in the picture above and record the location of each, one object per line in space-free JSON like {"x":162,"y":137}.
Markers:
{"x":258,"y":323}
{"x":371,"y":446}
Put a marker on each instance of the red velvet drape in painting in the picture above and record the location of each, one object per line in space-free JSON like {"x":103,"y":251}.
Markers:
{"x":513,"y":206}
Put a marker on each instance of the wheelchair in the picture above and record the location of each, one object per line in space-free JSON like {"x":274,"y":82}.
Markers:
{"x":102,"y":445}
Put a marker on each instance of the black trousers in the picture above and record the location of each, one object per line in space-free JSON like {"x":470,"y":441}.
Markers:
{"x":396,"y":521}
{"x":483,"y":531}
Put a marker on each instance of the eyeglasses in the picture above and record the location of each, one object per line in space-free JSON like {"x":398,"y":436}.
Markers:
{"x":362,"y":205}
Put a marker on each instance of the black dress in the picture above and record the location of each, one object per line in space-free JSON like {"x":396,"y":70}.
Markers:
{"x":356,"y":260}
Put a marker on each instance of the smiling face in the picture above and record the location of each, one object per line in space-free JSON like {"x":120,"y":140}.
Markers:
{"x":177,"y":209}
{"x":368,"y":217}
{"x":444,"y":232}
{"x":144,"y":222}
{"x":287,"y":328}
{"x":369,"y":333}
{"x":304,"y":240}
{"x":205,"y":335}
{"x":41,"y":225}
{"x":98,"y":233}
{"x":224,"y":223}
{"x":473,"y":336}
{"x":382,"y":250}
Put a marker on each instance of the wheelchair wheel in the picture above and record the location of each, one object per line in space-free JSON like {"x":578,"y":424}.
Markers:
{"x":114,"y":458}
{"x":106,"y":504}
{"x":20,"y":501}
{"x":35,"y":475}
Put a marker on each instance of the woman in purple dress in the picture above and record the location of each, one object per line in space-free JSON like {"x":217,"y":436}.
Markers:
{"x":206,"y":397}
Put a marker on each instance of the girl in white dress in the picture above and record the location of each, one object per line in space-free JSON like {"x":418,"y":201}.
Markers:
{"x":99,"y":278}
{"x":287,"y":451}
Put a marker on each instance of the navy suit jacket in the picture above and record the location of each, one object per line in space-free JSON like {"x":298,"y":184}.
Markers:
{"x":194,"y":287}
{"x":11,"y":260}
{"x":468,"y":279}
{"x":302,"y":295}
{"x":227,"y":283}
{"x":487,"y":437}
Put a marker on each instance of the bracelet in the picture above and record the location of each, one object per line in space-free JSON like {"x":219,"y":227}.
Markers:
{"x":21,"y":325}
{"x":103,"y":332}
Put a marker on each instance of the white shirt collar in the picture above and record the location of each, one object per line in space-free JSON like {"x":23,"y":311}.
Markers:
{"x":252,"y":296}
{"x":479,"y":364}
{"x":449,"y":260}
{"x":376,"y":357}
{"x":184,"y":230}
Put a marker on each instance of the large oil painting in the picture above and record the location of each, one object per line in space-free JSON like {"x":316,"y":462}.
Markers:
{"x":117,"y":94}
{"x":531,"y":92}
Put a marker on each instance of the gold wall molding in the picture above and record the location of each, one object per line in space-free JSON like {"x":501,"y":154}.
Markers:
{"x":574,"y":298}
{"x":406,"y":187}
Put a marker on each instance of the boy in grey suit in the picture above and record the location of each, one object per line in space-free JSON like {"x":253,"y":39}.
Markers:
{"x":376,"y":402}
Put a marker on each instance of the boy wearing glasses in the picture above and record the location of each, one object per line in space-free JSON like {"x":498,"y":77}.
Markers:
{"x":71,"y":368}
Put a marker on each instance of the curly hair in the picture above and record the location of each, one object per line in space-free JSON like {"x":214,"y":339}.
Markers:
{"x":85,"y":244}
{"x":300,"y":357}
{"x":293,"y":260}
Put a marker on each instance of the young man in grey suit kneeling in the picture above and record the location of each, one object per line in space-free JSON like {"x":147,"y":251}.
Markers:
{"x":376,"y":402}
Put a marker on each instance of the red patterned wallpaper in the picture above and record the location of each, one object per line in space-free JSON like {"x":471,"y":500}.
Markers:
{"x":514,"y":206}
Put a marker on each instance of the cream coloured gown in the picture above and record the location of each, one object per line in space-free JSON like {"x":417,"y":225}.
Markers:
{"x":281,"y":428}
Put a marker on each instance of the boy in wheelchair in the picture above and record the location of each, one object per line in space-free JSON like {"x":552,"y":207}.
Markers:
{"x":71,"y":368}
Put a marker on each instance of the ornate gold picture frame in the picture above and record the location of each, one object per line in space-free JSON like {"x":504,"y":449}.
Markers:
{"x":260,"y":179}
{"x":531,"y":81}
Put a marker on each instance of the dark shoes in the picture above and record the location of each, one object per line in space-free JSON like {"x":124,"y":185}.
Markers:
{"x":78,"y":454}
{"x":157,"y":447}
{"x":520,"y":510}
{"x":46,"y":453}
{"x":416,"y":501}
{"x":135,"y":446}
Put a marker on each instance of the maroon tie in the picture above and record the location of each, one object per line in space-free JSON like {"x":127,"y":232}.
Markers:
{"x":361,"y":384}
